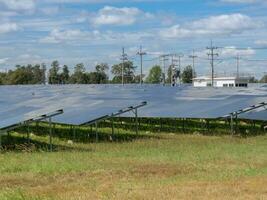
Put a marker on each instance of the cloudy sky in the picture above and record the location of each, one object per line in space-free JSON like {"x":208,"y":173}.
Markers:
{"x":93,"y":31}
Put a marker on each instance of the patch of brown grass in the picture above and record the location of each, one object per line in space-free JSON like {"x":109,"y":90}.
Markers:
{"x":143,"y":182}
{"x":161,"y":170}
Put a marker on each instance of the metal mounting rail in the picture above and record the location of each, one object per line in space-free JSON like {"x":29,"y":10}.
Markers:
{"x":251,"y":108}
{"x":234,"y":115}
{"x":134,"y":109}
{"x":29,"y":121}
{"x":35,"y":119}
{"x":120,"y":112}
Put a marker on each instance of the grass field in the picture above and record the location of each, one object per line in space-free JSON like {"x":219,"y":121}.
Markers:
{"x":163,"y":166}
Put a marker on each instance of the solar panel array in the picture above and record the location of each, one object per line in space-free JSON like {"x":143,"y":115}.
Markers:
{"x":83,"y":103}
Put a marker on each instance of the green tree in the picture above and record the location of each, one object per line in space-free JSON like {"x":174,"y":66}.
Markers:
{"x":264,"y":79}
{"x":102,"y":67}
{"x":96,"y":78}
{"x":188,"y":74}
{"x":101,"y":76}
{"x":37,"y":74}
{"x":154,"y":75}
{"x":43,"y":68}
{"x":65,"y":75}
{"x":128,"y":72}
{"x":169,"y":74}
{"x":3,"y":77}
{"x":79,"y":76}
{"x":21,"y":75}
{"x":54,"y":77}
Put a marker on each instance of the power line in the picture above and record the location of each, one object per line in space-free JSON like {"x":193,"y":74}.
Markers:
{"x":212,"y":54}
{"x":141,"y":54}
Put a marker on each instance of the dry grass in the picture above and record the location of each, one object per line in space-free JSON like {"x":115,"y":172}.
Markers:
{"x":174,"y":167}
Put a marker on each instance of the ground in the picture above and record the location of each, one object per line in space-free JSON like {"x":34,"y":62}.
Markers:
{"x":164,"y":166}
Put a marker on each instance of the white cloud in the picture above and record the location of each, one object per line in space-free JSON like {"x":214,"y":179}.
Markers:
{"x":3,"y":60}
{"x":118,"y":16}
{"x":228,"y":52}
{"x":19,"y":4}
{"x":58,"y":36}
{"x":50,"y":10}
{"x":262,"y":43}
{"x":232,"y":51}
{"x":79,"y":37}
{"x":28,"y":58}
{"x":8,"y":27}
{"x":242,"y":1}
{"x":102,"y":1}
{"x":7,"y":14}
{"x":44,"y":24}
{"x":214,"y":25}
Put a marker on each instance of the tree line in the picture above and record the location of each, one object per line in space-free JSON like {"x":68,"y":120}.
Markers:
{"x":40,"y":74}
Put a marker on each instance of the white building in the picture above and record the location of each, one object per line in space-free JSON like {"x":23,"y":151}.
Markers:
{"x":221,"y":81}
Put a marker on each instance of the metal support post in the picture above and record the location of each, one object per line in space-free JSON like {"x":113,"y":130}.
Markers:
{"x":232,"y":125}
{"x":112,"y":127}
{"x":28,"y":134}
{"x":96,"y":132}
{"x":136,"y":121}
{"x":74,"y":133}
{"x":236,"y":125}
{"x":71,"y":129}
{"x":160,"y":120}
{"x":1,"y":147}
{"x":208,"y":125}
{"x":184,"y":125}
{"x":50,"y":134}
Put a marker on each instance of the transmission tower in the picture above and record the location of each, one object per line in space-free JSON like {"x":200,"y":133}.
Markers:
{"x":123,"y":58}
{"x":141,"y":54}
{"x":212,"y":54}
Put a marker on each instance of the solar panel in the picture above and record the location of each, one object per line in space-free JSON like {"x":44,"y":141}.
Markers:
{"x":83,"y":103}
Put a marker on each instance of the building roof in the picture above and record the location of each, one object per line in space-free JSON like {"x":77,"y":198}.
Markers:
{"x":206,"y":78}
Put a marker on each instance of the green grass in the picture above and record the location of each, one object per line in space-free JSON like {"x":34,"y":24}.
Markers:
{"x":162,"y":166}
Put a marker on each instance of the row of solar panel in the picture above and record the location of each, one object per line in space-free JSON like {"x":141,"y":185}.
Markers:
{"x":83,"y":103}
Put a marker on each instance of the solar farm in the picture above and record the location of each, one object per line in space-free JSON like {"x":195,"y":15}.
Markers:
{"x":132,"y":142}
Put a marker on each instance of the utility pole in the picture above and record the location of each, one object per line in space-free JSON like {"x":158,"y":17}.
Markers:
{"x":164,"y":59}
{"x":180,"y":67}
{"x":173,"y":70}
{"x":141,"y":54}
{"x":212,"y":54}
{"x":193,"y":56}
{"x":237,"y":65}
{"x":123,"y":58}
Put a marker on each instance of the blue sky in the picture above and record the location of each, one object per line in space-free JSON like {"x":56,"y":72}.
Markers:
{"x":93,"y":31}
